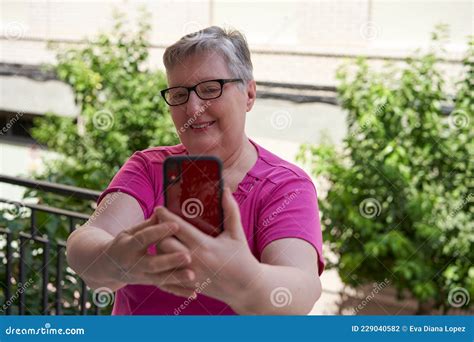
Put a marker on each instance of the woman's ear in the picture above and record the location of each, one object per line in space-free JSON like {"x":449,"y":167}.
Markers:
{"x":251,"y":94}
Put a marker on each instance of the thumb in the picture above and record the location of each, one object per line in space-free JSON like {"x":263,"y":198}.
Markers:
{"x":232,"y":222}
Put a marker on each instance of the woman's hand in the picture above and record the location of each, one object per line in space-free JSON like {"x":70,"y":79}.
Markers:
{"x":224,"y":266}
{"x":126,"y":259}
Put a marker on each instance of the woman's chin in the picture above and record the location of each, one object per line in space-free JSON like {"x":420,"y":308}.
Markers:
{"x":201,"y":145}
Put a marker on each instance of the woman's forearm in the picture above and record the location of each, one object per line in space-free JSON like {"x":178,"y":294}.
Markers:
{"x":279,"y":290}
{"x":85,"y":255}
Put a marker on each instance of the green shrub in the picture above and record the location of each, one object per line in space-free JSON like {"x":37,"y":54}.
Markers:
{"x":121,"y":111}
{"x":399,"y":204}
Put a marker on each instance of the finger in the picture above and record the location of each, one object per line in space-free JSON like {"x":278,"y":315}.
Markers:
{"x":232,"y":222}
{"x":187,"y":233}
{"x":155,"y":233}
{"x":150,"y":221}
{"x":171,"y":245}
{"x":180,"y":291}
{"x":165,"y":262}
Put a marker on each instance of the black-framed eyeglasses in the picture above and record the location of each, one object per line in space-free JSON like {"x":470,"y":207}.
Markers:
{"x":206,"y":90}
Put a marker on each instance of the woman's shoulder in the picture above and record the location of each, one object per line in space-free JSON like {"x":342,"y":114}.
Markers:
{"x":276,"y":170}
{"x":159,"y":153}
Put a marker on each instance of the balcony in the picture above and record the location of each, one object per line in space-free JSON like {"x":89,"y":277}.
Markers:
{"x":36,"y":278}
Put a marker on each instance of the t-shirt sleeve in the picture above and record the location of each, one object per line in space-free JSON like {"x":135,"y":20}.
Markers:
{"x":134,"y":178}
{"x":290,"y":210}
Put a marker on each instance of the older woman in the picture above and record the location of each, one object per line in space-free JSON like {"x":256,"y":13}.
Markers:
{"x":268,"y":258}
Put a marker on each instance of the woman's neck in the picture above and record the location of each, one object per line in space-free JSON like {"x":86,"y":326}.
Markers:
{"x":237,"y":162}
{"x":242,"y":159}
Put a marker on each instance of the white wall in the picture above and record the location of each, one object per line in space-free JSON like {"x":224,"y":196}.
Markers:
{"x":390,"y":28}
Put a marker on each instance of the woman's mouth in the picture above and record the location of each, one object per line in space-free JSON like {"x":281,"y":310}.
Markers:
{"x":202,"y":125}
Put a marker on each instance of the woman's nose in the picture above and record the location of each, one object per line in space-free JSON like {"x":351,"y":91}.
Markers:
{"x":194,"y":105}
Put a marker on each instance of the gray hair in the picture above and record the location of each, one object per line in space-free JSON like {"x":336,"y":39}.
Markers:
{"x":229,"y":43}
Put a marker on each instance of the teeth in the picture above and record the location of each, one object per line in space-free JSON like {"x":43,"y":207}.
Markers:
{"x":203,"y":125}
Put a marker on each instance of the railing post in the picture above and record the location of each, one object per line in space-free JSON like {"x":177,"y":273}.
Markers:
{"x":33,"y":222}
{"x":59,"y":276}
{"x":8,"y":273}
{"x":45,"y":275}
{"x":83,"y":297}
{"x":23,"y":240}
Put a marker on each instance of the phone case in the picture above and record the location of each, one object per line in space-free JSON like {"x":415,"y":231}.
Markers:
{"x":193,"y":190}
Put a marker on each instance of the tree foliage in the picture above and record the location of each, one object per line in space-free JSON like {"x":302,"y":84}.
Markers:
{"x":400,"y":200}
{"x":121,"y":111}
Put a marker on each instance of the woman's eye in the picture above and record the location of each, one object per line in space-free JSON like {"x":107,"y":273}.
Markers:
{"x":209,"y":88}
{"x":177,"y":96}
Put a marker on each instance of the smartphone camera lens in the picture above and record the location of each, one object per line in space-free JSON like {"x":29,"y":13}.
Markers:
{"x":173,"y":172}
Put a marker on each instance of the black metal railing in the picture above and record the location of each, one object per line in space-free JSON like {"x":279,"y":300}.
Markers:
{"x":51,"y":290}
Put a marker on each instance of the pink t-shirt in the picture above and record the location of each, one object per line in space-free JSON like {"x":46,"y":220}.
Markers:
{"x":276,"y":198}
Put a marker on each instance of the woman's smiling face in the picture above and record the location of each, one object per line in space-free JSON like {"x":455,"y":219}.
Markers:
{"x":225,"y":114}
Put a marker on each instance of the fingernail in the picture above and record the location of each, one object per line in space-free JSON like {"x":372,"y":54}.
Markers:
{"x":186,"y":258}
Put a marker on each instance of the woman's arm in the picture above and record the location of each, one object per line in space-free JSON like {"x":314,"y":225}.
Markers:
{"x":85,"y":255}
{"x":233,"y":275}
{"x":287,"y":282}
{"x":86,"y":245}
{"x":110,"y":250}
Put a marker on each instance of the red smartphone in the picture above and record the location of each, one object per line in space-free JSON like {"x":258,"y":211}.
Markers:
{"x":193,"y":190}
